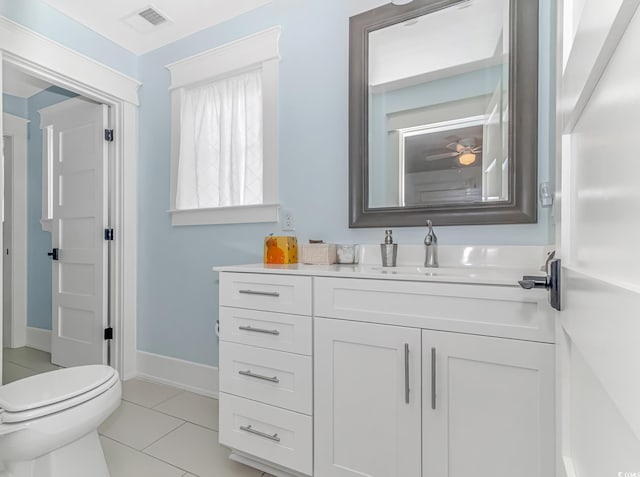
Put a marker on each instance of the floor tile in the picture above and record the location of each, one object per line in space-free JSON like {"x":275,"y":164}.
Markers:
{"x":12,"y":372}
{"x":196,"y":450}
{"x":147,"y":394}
{"x":192,"y":407}
{"x":126,"y":462}
{"x":137,"y":426}
{"x":30,"y":358}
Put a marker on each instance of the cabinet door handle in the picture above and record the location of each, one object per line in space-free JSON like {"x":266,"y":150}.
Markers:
{"x":433,"y":378}
{"x":406,"y":373}
{"x":261,"y":293}
{"x":259,"y":330}
{"x":259,"y":376}
{"x":251,"y":430}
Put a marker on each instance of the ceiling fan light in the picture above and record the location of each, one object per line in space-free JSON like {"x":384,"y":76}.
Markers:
{"x":401,"y":2}
{"x":467,"y":158}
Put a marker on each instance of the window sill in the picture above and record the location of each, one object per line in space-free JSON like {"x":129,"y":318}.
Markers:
{"x":243,"y":214}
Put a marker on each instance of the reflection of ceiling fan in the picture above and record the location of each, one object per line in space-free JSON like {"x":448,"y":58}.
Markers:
{"x":464,"y":149}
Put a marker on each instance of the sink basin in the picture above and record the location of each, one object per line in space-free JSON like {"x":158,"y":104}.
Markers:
{"x":429,"y":272}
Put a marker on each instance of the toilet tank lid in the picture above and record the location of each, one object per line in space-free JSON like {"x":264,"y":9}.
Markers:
{"x":52,"y":387}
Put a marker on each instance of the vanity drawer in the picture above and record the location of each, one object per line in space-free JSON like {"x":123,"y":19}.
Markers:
{"x":502,"y":311}
{"x":280,"y":293}
{"x":278,"y":331}
{"x":273,"y":377}
{"x":273,"y":434}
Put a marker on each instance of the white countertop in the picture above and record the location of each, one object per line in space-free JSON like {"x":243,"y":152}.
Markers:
{"x":473,"y":264}
{"x":468,"y":275}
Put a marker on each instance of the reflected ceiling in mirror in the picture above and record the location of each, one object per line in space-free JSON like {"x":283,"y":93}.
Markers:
{"x":438,"y":107}
{"x":443,"y":112}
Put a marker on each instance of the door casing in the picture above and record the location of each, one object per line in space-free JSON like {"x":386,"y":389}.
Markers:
{"x":40,"y":57}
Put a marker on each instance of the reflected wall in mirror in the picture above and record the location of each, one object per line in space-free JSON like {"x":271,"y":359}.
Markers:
{"x":443,"y":113}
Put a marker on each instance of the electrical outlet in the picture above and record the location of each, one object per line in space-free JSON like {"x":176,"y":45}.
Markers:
{"x":288,"y":223}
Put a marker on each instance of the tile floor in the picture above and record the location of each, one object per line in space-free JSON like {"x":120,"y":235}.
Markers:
{"x":158,"y":430}
{"x":21,"y":363}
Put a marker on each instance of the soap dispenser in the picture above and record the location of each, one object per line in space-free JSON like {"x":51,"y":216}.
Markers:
{"x":388,"y":250}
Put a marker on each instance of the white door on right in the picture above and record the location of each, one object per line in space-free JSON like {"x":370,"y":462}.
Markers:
{"x":599,"y":235}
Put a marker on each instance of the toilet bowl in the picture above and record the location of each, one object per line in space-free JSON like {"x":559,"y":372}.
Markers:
{"x":49,"y":422}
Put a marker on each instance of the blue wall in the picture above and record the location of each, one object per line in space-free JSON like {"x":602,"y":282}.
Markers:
{"x":38,"y":241}
{"x":15,"y":105}
{"x":177,"y":299}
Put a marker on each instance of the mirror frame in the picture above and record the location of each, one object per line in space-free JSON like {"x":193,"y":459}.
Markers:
{"x":523,"y":124}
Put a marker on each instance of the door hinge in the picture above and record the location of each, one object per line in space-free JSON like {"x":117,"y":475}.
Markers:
{"x":108,"y":135}
{"x":108,"y":234}
{"x":108,"y":333}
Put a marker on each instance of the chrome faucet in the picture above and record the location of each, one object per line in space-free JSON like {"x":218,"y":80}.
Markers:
{"x":431,"y":247}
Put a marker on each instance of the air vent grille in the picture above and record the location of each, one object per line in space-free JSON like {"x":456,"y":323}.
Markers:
{"x":152,"y":16}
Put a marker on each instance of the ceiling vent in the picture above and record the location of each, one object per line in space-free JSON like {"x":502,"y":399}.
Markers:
{"x":146,"y":20}
{"x":152,"y":16}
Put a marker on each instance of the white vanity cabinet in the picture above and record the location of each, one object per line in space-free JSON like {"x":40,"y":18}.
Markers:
{"x":486,"y":403}
{"x":385,"y":377}
{"x":266,"y":371}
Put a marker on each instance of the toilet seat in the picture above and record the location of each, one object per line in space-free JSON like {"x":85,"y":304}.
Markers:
{"x":52,"y":392}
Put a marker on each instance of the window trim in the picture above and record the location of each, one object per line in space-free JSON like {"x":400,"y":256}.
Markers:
{"x":257,"y":51}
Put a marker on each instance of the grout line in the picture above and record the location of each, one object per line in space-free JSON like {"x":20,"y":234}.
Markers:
{"x":164,"y":435}
{"x":167,"y":462}
{"x":203,"y":427}
{"x":145,"y":454}
{"x":182,"y":423}
{"x":118,"y":442}
{"x":173,"y":415}
{"x":180,"y":391}
{"x":178,"y":417}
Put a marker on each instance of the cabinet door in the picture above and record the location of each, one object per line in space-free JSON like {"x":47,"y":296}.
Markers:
{"x":488,"y":406}
{"x":367,"y":400}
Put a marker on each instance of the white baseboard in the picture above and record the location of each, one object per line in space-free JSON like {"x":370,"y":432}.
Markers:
{"x":195,"y":377}
{"x":39,"y":339}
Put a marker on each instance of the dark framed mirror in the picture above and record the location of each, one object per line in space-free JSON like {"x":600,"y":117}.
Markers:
{"x":443,"y":113}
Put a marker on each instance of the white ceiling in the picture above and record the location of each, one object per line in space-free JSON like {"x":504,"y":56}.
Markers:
{"x":17,"y":83}
{"x":186,"y":17}
{"x":467,"y":34}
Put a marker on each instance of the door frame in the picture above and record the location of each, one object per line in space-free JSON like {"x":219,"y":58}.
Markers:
{"x":64,"y":67}
{"x":16,"y":128}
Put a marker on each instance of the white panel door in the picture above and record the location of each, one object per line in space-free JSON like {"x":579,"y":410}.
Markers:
{"x":366,"y":400}
{"x":488,"y":406}
{"x":79,"y":219}
{"x":599,"y":235}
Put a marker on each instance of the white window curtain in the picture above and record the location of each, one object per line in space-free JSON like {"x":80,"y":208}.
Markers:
{"x":220,"y":162}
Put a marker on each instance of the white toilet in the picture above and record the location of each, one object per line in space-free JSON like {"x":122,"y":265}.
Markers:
{"x":49,"y":422}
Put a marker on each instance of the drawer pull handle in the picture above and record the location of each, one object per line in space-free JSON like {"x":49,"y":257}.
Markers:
{"x":261,"y":293}
{"x":259,"y":330}
{"x":261,"y":434}
{"x":259,"y":376}
{"x":407,"y":387}
{"x":433,"y":379}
